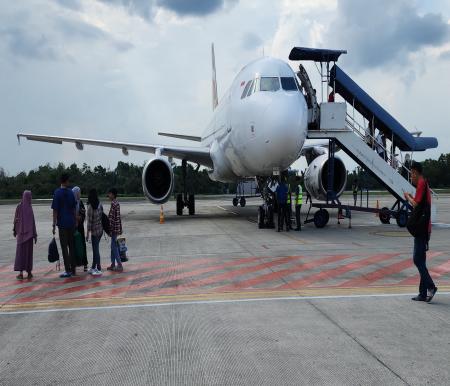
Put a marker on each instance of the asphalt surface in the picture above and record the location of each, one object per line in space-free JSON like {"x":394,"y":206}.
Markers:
{"x":212,"y":300}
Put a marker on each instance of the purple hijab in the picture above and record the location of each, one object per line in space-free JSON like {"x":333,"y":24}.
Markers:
{"x":26,"y":228}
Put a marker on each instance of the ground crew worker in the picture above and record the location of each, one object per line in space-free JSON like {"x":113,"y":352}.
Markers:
{"x":298,"y":203}
{"x":355,"y":191}
{"x":289,"y":207}
{"x":282,"y":194}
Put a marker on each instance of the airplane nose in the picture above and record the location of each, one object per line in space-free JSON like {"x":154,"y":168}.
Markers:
{"x":286,"y":123}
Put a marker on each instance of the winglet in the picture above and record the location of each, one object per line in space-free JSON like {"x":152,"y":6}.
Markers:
{"x":18,"y":138}
{"x":215,"y":99}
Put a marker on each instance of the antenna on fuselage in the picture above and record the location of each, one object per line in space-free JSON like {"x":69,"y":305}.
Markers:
{"x":215,"y":99}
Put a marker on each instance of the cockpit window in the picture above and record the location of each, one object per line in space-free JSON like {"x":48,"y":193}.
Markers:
{"x":250,"y":89}
{"x":288,"y":84}
{"x":269,"y":84}
{"x":244,"y":93}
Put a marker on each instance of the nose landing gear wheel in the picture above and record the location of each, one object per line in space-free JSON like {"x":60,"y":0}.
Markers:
{"x":235,"y":201}
{"x":242,"y":201}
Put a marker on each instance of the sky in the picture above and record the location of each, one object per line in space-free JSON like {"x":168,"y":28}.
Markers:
{"x":126,"y":69}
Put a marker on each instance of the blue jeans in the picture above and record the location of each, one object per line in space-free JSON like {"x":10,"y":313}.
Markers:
{"x":96,"y":252}
{"x":115,"y":256}
{"x":420,"y":256}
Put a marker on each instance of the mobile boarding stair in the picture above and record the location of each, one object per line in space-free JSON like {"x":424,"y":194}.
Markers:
{"x":332,"y":121}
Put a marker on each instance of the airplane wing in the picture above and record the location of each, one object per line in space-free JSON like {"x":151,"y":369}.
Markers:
{"x":198,"y":155}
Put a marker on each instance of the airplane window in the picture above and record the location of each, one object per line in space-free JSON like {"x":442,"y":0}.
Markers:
{"x":288,"y":84}
{"x":250,"y":89}
{"x":244,"y":93}
{"x":269,"y":84}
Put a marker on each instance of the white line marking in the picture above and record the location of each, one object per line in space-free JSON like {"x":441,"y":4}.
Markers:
{"x":197,"y":302}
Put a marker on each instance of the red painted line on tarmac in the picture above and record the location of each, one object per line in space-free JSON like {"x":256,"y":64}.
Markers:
{"x":176,"y":276}
{"x":438,"y":271}
{"x":227,"y":275}
{"x":328,"y":274}
{"x":285,"y":272}
{"x":382,"y":273}
{"x":113,"y":278}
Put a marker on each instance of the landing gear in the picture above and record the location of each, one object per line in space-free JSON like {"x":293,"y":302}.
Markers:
{"x":266,"y":210}
{"x":183,"y":200}
{"x":235,"y":201}
{"x":321,"y":218}
{"x":242,"y":202}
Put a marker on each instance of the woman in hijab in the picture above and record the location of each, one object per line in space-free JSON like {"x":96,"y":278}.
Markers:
{"x":24,"y":231}
{"x":81,"y":216}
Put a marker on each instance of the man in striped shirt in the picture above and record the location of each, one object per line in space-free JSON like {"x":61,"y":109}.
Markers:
{"x":115,"y":229}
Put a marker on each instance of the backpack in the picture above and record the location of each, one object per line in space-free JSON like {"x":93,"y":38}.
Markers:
{"x":105,"y":223}
{"x":419,"y":219}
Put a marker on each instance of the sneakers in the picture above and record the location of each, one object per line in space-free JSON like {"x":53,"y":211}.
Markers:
{"x":430,"y":294}
{"x":91,"y":270}
{"x":111,"y":268}
{"x":65,"y":274}
{"x":96,"y":272}
{"x":119,"y":268}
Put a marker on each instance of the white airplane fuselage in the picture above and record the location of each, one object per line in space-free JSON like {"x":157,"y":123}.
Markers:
{"x":256,"y":134}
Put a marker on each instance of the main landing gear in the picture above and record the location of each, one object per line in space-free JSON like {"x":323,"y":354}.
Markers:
{"x":241,"y":201}
{"x":185,"y":200}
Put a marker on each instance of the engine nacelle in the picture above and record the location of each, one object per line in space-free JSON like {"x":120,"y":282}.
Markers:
{"x":316,"y":177}
{"x":157,"y":180}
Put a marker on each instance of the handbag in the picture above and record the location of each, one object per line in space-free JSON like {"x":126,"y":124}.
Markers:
{"x":419,"y":219}
{"x":53,"y":254}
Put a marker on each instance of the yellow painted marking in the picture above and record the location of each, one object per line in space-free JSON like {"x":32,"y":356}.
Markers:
{"x":179,"y":298}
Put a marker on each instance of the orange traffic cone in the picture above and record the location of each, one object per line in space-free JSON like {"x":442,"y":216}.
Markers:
{"x":161,"y":215}
{"x":377,"y":213}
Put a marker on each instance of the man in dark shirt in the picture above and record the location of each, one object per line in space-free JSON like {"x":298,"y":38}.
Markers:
{"x":282,"y":198}
{"x":427,"y":289}
{"x":64,"y":208}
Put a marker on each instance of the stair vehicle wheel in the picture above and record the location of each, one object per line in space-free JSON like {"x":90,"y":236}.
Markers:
{"x":191,"y":204}
{"x":242,"y":201}
{"x":402,"y":218}
{"x":179,"y":204}
{"x":235,"y":201}
{"x":260,"y":217}
{"x":385,"y":216}
{"x":320,"y":218}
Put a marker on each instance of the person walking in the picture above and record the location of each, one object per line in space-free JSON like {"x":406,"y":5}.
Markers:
{"x":94,"y":230}
{"x":427,"y":289}
{"x":81,"y":217}
{"x":24,"y":230}
{"x":298,"y":203}
{"x":64,"y":210}
{"x":115,"y":228}
{"x":282,"y":193}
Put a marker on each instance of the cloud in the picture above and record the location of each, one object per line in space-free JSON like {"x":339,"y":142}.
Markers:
{"x":74,"y":5}
{"x":251,"y":41}
{"x":445,"y":55}
{"x":142,"y":8}
{"x":384,"y":32}
{"x":24,"y":44}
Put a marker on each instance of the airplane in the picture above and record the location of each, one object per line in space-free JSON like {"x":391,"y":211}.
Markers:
{"x":257,"y":130}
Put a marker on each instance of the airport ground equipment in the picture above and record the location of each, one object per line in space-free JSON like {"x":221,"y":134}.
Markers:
{"x":333,"y":123}
{"x":245,"y":189}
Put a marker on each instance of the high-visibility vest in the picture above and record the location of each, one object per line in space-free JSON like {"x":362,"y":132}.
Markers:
{"x":299,"y":196}
{"x":289,"y":194}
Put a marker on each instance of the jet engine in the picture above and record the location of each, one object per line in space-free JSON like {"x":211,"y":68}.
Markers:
{"x":316,"y":177}
{"x":157,"y":180}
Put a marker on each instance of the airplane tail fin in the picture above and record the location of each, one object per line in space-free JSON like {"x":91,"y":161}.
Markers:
{"x":215,"y":99}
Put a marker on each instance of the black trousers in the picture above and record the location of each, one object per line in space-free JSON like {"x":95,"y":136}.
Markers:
{"x":68,"y":249}
{"x":355,"y":198}
{"x":420,"y":256}
{"x":283,"y":216}
{"x":297,"y":216}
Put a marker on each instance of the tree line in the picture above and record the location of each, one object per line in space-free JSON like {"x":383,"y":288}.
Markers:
{"x":127,"y":178}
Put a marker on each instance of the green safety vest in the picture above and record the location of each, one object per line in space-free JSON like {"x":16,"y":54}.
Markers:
{"x":299,"y":196}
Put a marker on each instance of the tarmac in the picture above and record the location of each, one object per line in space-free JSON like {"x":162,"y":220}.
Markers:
{"x":212,"y":300}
